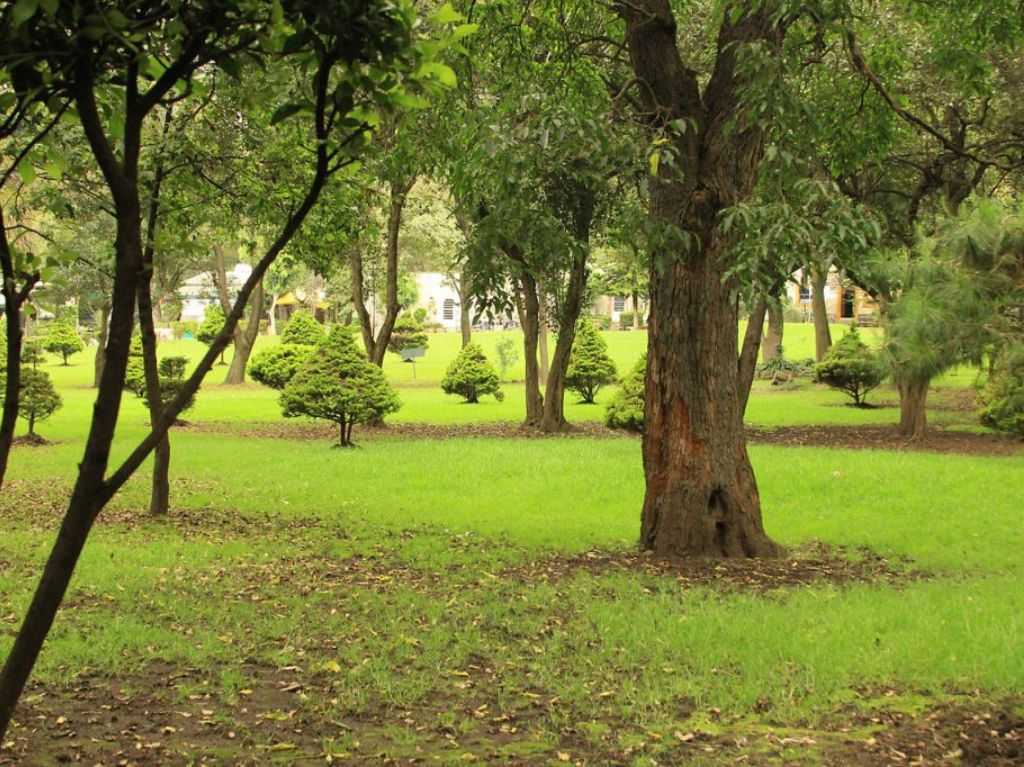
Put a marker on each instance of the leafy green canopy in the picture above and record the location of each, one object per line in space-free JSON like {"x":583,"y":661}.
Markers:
{"x":276,"y":366}
{"x":851,"y":367}
{"x":590,"y":367}
{"x":626,"y":410}
{"x":63,"y":339}
{"x":337,"y":383}
{"x":302,"y":329}
{"x":471,"y":376}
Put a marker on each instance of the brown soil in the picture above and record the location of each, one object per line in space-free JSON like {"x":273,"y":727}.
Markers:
{"x":811,"y":564}
{"x":887,"y":438}
{"x":32,"y":440}
{"x":881,"y":437}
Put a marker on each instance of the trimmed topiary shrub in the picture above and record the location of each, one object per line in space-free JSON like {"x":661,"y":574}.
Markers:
{"x":851,"y":367}
{"x":1002,"y":398}
{"x":37,"y":398}
{"x":276,"y":366}
{"x":471,"y":376}
{"x":626,"y":409}
{"x":590,"y":367}
{"x":408,"y":333}
{"x":302,"y":329}
{"x":337,"y":383}
{"x":62,"y":339}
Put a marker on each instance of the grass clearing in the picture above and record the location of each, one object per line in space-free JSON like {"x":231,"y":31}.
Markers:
{"x":363,"y":605}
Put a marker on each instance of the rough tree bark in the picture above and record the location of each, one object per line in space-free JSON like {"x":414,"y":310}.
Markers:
{"x":822,"y":333}
{"x":773,"y":335}
{"x":244,"y":339}
{"x":913,"y":407}
{"x":377,"y":344}
{"x":542,"y":337}
{"x":701,"y":497}
{"x":465,"y":308}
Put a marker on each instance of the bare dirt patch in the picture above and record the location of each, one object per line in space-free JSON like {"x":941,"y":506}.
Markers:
{"x":886,"y":437}
{"x":812,"y":564}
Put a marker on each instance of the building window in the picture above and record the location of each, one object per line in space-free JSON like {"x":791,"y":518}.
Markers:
{"x":448,"y":312}
{"x":805,"y":292}
{"x":618,"y":304}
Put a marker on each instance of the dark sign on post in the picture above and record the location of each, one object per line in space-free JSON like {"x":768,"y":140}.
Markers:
{"x":411,"y":355}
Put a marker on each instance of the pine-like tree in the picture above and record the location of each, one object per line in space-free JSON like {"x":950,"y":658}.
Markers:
{"x":851,"y":367}
{"x":626,"y":410}
{"x":590,"y":367}
{"x":302,"y":329}
{"x":63,"y":339}
{"x":337,"y":383}
{"x":408,"y":333}
{"x":213,"y":323}
{"x":275,"y":366}
{"x":471,"y":376}
{"x":38,"y":399}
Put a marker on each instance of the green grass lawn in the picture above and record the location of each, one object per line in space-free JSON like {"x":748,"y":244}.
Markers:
{"x":404,"y":600}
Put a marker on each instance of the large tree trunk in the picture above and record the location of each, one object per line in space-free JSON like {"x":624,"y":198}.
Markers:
{"x":101,"y":345}
{"x":773,"y":335}
{"x":701,"y":497}
{"x":822,"y":333}
{"x":553,"y":419}
{"x":244,"y":338}
{"x":527,"y":306}
{"x":913,"y":412}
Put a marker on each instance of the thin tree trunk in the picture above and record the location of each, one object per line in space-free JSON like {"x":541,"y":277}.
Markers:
{"x":465,"y":309}
{"x":101,"y":345}
{"x":244,"y":338}
{"x":14,"y":298}
{"x":542,"y":338}
{"x":91,"y":491}
{"x":527,"y":306}
{"x":636,"y":309}
{"x":913,"y":408}
{"x":359,"y":299}
{"x":773,"y":335}
{"x":822,"y":333}
{"x":747,"y":364}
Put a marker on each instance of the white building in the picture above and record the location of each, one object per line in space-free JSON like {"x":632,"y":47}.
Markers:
{"x":200,"y":291}
{"x":437,"y":295}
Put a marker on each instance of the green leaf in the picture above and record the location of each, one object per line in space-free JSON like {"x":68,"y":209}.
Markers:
{"x":447,"y":14}
{"x":27,"y":171}
{"x":285,"y":111}
{"x":7,"y":100}
{"x":653,"y":162}
{"x":50,"y":7}
{"x":23,"y":11}
{"x":464,"y":30}
{"x":442,"y":72}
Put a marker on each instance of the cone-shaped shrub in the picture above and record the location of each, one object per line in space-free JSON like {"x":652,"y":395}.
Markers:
{"x":851,"y":367}
{"x":471,"y":376}
{"x":302,"y":329}
{"x":626,"y":410}
{"x":276,"y":366}
{"x":213,"y":323}
{"x":37,"y":399}
{"x":337,"y":383}
{"x":590,"y":367}
{"x":63,"y":339}
{"x":408,"y":333}
{"x":1003,"y":397}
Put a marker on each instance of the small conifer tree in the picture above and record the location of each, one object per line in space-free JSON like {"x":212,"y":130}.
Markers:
{"x":590,"y":367}
{"x":38,"y":399}
{"x":471,"y":376}
{"x":277,"y":365}
{"x":63,"y":339}
{"x":851,"y":367}
{"x":302,"y":329}
{"x":337,"y":383}
{"x":626,"y":410}
{"x":213,"y":323}
{"x":408,"y":333}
